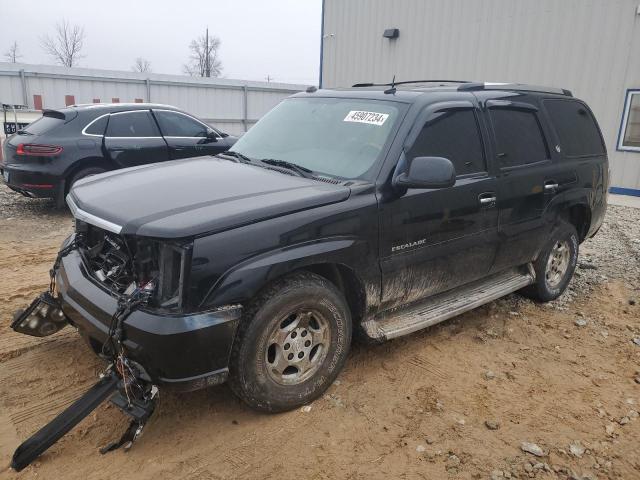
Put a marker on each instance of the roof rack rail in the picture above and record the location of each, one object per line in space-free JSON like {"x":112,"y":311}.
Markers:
{"x":356,"y":85}
{"x":521,"y":87}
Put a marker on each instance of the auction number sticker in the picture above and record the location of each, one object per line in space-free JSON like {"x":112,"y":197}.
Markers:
{"x":372,"y":118}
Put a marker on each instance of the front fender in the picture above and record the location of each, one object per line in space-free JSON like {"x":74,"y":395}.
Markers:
{"x":243,"y":281}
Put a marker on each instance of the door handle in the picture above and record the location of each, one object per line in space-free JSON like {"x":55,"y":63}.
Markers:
{"x":488,"y":199}
{"x":550,"y":186}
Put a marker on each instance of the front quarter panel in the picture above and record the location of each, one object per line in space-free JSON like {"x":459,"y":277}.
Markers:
{"x":232,"y":266}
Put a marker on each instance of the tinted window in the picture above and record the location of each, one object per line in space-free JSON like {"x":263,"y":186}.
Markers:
{"x":576,"y":128}
{"x":519,"y":138}
{"x":176,"y":125}
{"x":132,"y":124}
{"x":452,"y":134}
{"x":43,"y":125}
{"x":97,"y":126}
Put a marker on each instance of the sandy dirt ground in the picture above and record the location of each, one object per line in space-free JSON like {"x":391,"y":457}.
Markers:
{"x":454,"y":401}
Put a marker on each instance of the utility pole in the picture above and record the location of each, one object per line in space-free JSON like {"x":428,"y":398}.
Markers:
{"x":207,"y":67}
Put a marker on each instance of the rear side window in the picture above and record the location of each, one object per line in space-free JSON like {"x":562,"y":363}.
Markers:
{"x":97,"y":126}
{"x":177,"y":125}
{"x":452,"y":134}
{"x":519,"y":137}
{"x":132,"y":124}
{"x":43,"y":125}
{"x":576,"y":128}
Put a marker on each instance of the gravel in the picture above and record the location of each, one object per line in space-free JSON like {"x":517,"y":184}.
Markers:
{"x":581,"y":322}
{"x":577,"y":449}
{"x":532,"y":448}
{"x":492,"y":424}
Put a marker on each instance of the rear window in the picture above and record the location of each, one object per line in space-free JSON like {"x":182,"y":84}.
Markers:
{"x":519,"y":138}
{"x":576,"y":128}
{"x":44,"y":124}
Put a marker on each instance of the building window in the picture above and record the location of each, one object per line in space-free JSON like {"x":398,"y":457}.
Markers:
{"x":629,"y":138}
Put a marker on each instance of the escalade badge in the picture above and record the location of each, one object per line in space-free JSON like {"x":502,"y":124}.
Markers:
{"x":405,"y":246}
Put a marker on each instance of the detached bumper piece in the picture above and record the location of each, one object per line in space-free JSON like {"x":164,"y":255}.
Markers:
{"x":40,"y":441}
{"x":139,"y":409}
{"x":139,"y":406}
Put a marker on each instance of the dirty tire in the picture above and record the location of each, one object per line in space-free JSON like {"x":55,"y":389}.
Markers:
{"x":563,"y":237}
{"x":251,"y":375}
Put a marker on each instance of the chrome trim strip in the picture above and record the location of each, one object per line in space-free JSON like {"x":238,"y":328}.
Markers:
{"x":91,"y":123}
{"x":131,"y":138}
{"x":143,"y":110}
{"x":92,"y":219}
{"x":175,"y":137}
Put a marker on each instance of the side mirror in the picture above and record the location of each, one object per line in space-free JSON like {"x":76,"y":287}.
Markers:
{"x":212,"y":136}
{"x":427,"y":172}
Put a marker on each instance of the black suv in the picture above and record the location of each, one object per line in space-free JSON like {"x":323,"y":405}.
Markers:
{"x":374,"y":210}
{"x":49,"y":155}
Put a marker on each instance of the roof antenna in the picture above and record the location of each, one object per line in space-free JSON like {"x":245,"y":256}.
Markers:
{"x":392,"y":90}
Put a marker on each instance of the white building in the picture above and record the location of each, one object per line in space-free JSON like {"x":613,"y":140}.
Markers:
{"x":591,"y":47}
{"x":230,"y":105}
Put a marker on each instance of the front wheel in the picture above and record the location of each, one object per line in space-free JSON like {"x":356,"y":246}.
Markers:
{"x":555,"y":265}
{"x":291,"y":344}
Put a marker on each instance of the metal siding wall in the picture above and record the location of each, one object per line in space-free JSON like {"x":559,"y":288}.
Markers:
{"x":11,"y":90}
{"x":591,"y":47}
{"x":217,"y":101}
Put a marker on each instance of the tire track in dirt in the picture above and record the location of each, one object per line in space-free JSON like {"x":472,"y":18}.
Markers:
{"x":13,"y":344}
{"x":20,"y":371}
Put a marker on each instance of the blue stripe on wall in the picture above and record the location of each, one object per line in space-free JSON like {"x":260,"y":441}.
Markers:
{"x":625,"y":191}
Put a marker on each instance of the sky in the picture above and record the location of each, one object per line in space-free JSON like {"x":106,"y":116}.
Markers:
{"x":279,"y":39}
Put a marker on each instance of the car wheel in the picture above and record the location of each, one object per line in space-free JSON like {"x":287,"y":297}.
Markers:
{"x":85,"y":172}
{"x":555,"y":265}
{"x":292,"y":343}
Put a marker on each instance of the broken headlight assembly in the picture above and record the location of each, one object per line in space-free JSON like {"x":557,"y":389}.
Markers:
{"x":42,"y":318}
{"x":125,"y":265}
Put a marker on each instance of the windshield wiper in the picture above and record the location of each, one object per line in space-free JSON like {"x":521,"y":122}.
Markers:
{"x":238,"y":155}
{"x":302,"y":171}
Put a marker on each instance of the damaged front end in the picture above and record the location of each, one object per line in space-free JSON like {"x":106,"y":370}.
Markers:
{"x":126,"y":264}
{"x":139,"y":273}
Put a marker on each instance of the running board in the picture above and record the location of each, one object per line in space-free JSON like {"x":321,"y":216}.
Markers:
{"x":402,"y":321}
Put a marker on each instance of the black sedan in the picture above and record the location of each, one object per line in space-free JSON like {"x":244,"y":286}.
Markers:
{"x":49,"y":155}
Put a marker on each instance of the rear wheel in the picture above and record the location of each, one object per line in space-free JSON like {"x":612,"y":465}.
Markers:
{"x":71,"y":180}
{"x":292,"y":343}
{"x":555,"y":265}
{"x":83,"y":173}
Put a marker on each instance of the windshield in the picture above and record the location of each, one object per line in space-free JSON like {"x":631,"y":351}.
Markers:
{"x":333,"y":136}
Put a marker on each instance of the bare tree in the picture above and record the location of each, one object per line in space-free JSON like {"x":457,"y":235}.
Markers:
{"x":65,"y":46}
{"x":204,"y":60}
{"x":13,"y":54}
{"x":141,"y":65}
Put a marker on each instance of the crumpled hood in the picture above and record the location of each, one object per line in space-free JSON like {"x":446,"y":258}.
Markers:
{"x":195,"y":196}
